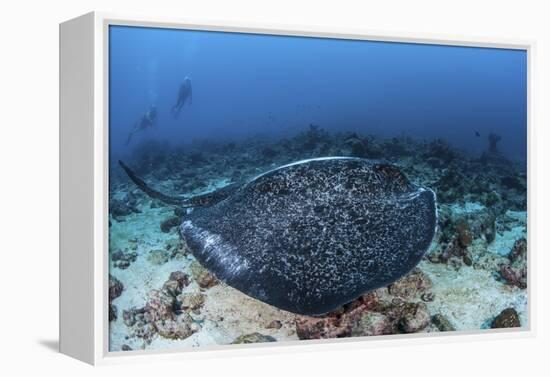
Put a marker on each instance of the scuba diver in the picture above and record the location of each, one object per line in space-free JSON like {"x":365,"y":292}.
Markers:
{"x":147,"y":120}
{"x":185,"y":94}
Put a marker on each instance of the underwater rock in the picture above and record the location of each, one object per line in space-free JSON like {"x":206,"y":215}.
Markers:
{"x":159,"y":304}
{"x":175,"y":284}
{"x":464,"y":233}
{"x":467,"y":260}
{"x":507,"y":318}
{"x":491,"y":199}
{"x":427,"y":296}
{"x":159,"y":311}
{"x":457,"y":232}
{"x":514,"y":276}
{"x":129,"y":316}
{"x":515,"y":272}
{"x":158,"y":257}
{"x":191,"y":301}
{"x":415,"y":317}
{"x":253,"y":338}
{"x":115,"y":290}
{"x":176,"y":248}
{"x":519,"y":251}
{"x":275,"y":324}
{"x":448,"y":252}
{"x":159,"y":315}
{"x":410,"y":285}
{"x":178,"y":327}
{"x":371,"y":324}
{"x":115,"y":287}
{"x":167,"y":225}
{"x":113,"y":312}
{"x":201,"y":275}
{"x":123,"y":259}
{"x":321,"y":328}
{"x":120,"y":208}
{"x":442,"y":323}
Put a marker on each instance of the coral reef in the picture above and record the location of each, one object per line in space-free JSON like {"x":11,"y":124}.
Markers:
{"x":442,"y":323}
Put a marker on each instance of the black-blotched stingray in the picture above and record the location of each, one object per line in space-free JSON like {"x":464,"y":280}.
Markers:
{"x":313,"y":235}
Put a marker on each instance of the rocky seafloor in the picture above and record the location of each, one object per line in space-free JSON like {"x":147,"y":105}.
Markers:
{"x":474,"y":276}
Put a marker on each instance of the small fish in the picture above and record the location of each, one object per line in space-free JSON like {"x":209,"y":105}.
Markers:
{"x":477,"y":134}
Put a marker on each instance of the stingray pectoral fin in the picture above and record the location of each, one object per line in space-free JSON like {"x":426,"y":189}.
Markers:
{"x":174,"y":200}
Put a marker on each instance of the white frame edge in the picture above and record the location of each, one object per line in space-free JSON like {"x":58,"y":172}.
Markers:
{"x":84,"y":322}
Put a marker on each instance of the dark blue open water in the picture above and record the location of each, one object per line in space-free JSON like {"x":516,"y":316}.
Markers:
{"x":246,"y":84}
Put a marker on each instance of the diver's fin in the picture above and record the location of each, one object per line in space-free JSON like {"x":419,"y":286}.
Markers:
{"x":174,"y":200}
{"x":175,"y":112}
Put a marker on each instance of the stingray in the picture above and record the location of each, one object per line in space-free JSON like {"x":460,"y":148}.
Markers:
{"x":310,"y":236}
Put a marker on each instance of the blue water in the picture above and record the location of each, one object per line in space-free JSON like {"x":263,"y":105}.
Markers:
{"x":246,"y":84}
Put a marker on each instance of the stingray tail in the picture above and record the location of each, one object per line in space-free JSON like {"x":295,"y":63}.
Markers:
{"x":174,"y":200}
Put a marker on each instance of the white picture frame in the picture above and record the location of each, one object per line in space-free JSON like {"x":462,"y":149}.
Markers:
{"x":84,"y":186}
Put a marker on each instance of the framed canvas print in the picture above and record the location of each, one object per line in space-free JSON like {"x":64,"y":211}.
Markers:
{"x":226,"y":187}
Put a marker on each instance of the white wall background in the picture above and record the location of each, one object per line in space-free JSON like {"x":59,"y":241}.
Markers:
{"x":29,"y":185}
